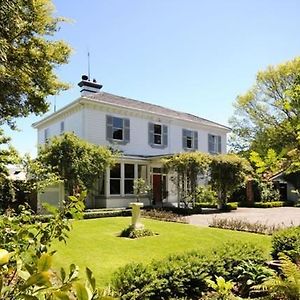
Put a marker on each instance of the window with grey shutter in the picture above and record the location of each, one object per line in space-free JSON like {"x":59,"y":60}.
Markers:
{"x":184,"y":135}
{"x":214,"y":144}
{"x":165,"y":136}
{"x":211,"y":146}
{"x":126,"y":131}
{"x":196,"y":140}
{"x":189,"y":139}
{"x":117,"y":130}
{"x":219,"y":144}
{"x":150,"y":134}
{"x":109,"y":128}
{"x":157,"y":135}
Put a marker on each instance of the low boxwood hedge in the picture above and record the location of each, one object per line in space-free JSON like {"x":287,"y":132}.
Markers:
{"x":268,"y":204}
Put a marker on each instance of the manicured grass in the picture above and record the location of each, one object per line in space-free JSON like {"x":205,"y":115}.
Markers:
{"x":95,"y":244}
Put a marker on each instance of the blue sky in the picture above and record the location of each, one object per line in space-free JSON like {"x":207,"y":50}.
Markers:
{"x":190,"y":55}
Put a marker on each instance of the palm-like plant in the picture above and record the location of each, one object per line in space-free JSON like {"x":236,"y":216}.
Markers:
{"x":286,"y":285}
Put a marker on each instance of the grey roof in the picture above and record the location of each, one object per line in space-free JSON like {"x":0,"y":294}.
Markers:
{"x":107,"y":98}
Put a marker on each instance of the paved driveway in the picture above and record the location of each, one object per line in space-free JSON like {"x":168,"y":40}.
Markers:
{"x":279,"y":215}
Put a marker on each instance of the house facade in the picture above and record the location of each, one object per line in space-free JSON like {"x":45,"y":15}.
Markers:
{"x":142,"y":132}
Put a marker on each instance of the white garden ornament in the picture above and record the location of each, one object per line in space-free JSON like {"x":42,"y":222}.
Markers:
{"x":136,"y":215}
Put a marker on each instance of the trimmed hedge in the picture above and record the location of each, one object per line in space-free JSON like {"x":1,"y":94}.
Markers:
{"x":184,"y":276}
{"x":268,"y":204}
{"x":287,"y":241}
{"x":229,"y":206}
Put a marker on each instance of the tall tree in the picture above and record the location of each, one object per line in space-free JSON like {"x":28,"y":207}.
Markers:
{"x":76,"y":161}
{"x":268,"y":114}
{"x":28,"y":57}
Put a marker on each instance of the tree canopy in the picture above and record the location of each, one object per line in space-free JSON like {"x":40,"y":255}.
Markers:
{"x":267,"y":116}
{"x":28,"y":57}
{"x":76,"y":161}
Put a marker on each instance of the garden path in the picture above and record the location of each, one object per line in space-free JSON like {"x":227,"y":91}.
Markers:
{"x":273,"y":216}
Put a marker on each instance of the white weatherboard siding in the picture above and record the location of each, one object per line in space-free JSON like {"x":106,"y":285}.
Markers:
{"x":95,"y":132}
{"x":72,"y":123}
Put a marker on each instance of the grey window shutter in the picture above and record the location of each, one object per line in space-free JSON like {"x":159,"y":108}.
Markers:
{"x":210,"y":143}
{"x":126,"y":130}
{"x":219,"y":144}
{"x":165,"y":135}
{"x":196,"y":140}
{"x":150,"y":133}
{"x":109,"y":128}
{"x":184,"y":138}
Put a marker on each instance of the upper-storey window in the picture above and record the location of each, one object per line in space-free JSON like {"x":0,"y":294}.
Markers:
{"x":214,"y":144}
{"x":62,"y":126}
{"x":157,"y":135}
{"x":117,"y":129}
{"x":46,"y":135}
{"x":189,"y":139}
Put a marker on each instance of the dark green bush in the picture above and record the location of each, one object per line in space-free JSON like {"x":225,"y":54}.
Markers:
{"x":229,"y":256}
{"x":134,"y":282}
{"x":132,"y":233}
{"x":180,"y":276}
{"x":184,"y":275}
{"x":287,"y":241}
{"x":268,"y":204}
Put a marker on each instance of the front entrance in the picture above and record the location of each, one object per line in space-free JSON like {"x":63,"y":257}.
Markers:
{"x":159,"y":186}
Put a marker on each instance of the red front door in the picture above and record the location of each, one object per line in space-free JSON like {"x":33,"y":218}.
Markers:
{"x":157,"y":196}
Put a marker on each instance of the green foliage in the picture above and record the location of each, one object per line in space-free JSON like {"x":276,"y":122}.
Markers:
{"x":76,"y":161}
{"x":187,"y":167}
{"x":223,"y":288}
{"x":134,"y":281}
{"x":283,"y":286}
{"x":163,"y":215}
{"x":268,"y":165}
{"x":185,"y":275}
{"x":205,"y":194}
{"x":28,"y":57}
{"x":227,"y":173}
{"x":26,"y":260}
{"x":267,"y":192}
{"x":287,"y":241}
{"x":140,"y":188}
{"x":249,"y":274}
{"x":132,"y":233}
{"x":267,"y":115}
{"x":268,"y":204}
{"x":244,"y":225}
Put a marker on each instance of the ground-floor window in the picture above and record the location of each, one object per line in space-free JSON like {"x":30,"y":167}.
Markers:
{"x":129,"y":178}
{"x":115,"y":180}
{"x":122,"y":177}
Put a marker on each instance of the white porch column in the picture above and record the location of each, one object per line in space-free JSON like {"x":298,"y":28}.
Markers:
{"x":107,"y":183}
{"x":122,"y":166}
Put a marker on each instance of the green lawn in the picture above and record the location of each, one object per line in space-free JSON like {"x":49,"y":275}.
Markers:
{"x":95,"y":244}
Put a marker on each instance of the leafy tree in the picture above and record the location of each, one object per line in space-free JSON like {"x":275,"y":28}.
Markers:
{"x":26,"y":258}
{"x":28,"y":57}
{"x":76,"y":161}
{"x":267,"y":116}
{"x":227,"y":173}
{"x":187,"y":168}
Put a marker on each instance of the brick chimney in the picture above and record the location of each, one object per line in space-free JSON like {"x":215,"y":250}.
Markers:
{"x":88,"y":86}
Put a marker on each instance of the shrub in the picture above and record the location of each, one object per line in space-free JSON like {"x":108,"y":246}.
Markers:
{"x":287,"y":241}
{"x":160,"y":214}
{"x":229,"y":256}
{"x":268,"y":204}
{"x":184,"y":275}
{"x":134,"y":281}
{"x":244,"y":225}
{"x":205,"y":194}
{"x":132,"y":233}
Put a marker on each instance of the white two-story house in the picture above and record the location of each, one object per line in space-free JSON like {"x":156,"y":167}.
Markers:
{"x":143,"y":132}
